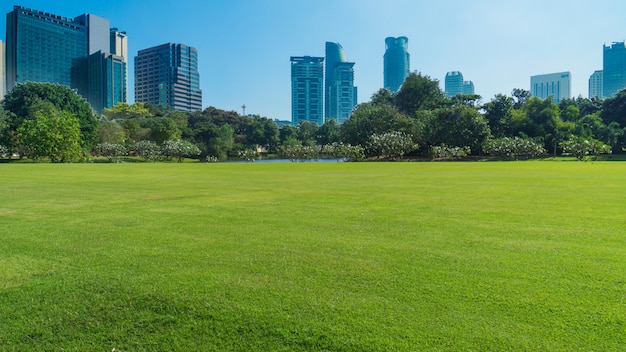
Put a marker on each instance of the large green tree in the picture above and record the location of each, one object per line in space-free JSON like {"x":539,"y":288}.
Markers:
{"x":53,"y":134}
{"x":457,"y":127}
{"x":418,"y":93}
{"x":369,"y":119}
{"x":498,"y":113}
{"x":24,"y":101}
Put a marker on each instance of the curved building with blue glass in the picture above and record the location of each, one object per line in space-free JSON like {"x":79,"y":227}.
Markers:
{"x":396,"y":61}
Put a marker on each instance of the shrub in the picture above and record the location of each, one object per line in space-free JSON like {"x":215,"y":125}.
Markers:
{"x":299,"y":152}
{"x":449,"y":153}
{"x":148,"y":150}
{"x":112,"y":151}
{"x":347,"y":152}
{"x":248,"y":155}
{"x":584,"y":148}
{"x":513,"y":147}
{"x":179,"y":149}
{"x":392,"y":145}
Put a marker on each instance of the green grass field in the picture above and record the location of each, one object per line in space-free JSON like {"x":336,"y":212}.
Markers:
{"x":479,"y":256}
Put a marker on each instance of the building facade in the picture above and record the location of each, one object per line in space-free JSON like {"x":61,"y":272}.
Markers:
{"x":595,"y":84}
{"x":3,"y":77}
{"x":614,"y":69}
{"x":307,"y":89}
{"x":43,"y":47}
{"x":556,"y":85}
{"x":396,"y":62}
{"x":454,"y":84}
{"x":168,"y":75}
{"x":340,"y":94}
{"x":468,"y":88}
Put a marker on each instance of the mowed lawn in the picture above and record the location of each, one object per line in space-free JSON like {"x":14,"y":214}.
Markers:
{"x":477,"y":256}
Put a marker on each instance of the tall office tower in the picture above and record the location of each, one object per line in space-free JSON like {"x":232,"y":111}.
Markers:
{"x":340,"y":95}
{"x":396,"y":61}
{"x":454,"y":83}
{"x":119,"y":47}
{"x":468,"y":87}
{"x":3,"y":78}
{"x":307,"y":89}
{"x":106,"y":80}
{"x":556,"y":85}
{"x":42,"y":47}
{"x":168,"y":75}
{"x":614,"y":76}
{"x":595,"y":84}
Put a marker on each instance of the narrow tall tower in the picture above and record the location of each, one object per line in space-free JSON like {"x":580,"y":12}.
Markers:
{"x":614,"y":70}
{"x":396,"y":61}
{"x":340,"y":95}
{"x":307,"y":89}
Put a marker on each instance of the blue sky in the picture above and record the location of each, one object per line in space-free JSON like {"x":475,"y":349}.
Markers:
{"x":244,"y":45}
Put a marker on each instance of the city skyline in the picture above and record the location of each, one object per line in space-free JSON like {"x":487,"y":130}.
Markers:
{"x":245,"y":46}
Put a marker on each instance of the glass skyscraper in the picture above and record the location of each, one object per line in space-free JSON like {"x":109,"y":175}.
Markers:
{"x":396,"y":62}
{"x":614,"y":70}
{"x":307,"y":89}
{"x":340,"y":92}
{"x":595,"y":84}
{"x":168,"y":75}
{"x":43,"y":47}
{"x":454,"y":84}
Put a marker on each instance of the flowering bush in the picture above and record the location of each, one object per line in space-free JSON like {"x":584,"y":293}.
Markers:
{"x":112,"y":151}
{"x":299,"y":152}
{"x":392,"y":145}
{"x":179,"y":149}
{"x":584,"y":148}
{"x":513,"y":147}
{"x":449,"y":153}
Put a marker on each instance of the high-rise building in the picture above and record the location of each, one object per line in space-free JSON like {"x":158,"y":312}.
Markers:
{"x":168,"y":75}
{"x":119,"y":48}
{"x":396,"y":62}
{"x":556,"y":85}
{"x":43,"y":47}
{"x":340,"y":93}
{"x":595,"y":84}
{"x":614,"y":67}
{"x":454,"y":84}
{"x":307,"y":89}
{"x":3,"y":78}
{"x":468,"y":87}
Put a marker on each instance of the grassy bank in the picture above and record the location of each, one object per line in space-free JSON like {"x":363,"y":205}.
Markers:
{"x":313,"y":256}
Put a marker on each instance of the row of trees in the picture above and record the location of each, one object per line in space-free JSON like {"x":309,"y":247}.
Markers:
{"x":46,"y":121}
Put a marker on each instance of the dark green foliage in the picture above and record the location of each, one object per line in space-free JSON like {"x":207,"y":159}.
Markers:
{"x":262,"y":132}
{"x":456,"y":127}
{"x":498,"y":113}
{"x":418,"y":93}
{"x":50,"y":134}
{"x":369,"y":119}
{"x":25,"y":100}
{"x":328,"y":133}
